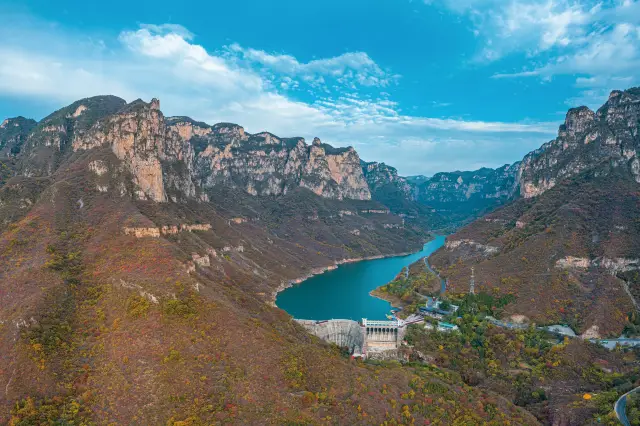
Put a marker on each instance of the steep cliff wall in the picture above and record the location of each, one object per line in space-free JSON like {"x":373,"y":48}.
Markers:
{"x":137,"y":135}
{"x":461,"y":196}
{"x":13,"y":133}
{"x":224,"y":154}
{"x":587,"y":139}
{"x":380,"y":177}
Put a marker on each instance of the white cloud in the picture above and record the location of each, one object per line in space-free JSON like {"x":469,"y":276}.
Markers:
{"x":610,"y":53}
{"x":349,"y":69}
{"x":166,"y":62}
{"x":189,"y":61}
{"x":596,"y":41}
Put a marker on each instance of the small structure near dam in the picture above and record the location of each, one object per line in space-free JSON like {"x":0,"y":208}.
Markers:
{"x":373,"y":339}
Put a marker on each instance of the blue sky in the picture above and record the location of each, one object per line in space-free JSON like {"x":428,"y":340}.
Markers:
{"x":424,"y":85}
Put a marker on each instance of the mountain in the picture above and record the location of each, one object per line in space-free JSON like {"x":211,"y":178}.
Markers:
{"x":461,"y":196}
{"x":139,"y":260}
{"x":13,"y":133}
{"x":586,"y":140}
{"x":416,"y":179}
{"x":567,"y":247}
{"x":399,"y":195}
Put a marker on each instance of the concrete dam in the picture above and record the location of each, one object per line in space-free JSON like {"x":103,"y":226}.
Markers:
{"x":366,"y":339}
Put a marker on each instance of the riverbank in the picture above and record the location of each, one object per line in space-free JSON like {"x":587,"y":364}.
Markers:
{"x":410,"y":288}
{"x":396,"y":302}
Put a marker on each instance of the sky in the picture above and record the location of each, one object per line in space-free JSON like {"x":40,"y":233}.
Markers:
{"x":423,"y":85}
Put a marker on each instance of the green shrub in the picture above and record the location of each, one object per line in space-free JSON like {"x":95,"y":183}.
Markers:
{"x":180,"y":308}
{"x":138,"y":306}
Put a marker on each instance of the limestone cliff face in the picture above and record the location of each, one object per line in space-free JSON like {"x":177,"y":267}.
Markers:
{"x":137,"y":135}
{"x":461,"y":196}
{"x":264,"y":164}
{"x":179,"y":158}
{"x":587,"y":139}
{"x":334,"y":173}
{"x":13,"y":133}
{"x":481,"y":184}
{"x":51,"y":139}
{"x":381,"y":175}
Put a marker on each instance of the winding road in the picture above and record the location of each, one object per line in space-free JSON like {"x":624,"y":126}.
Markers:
{"x":620,"y":407}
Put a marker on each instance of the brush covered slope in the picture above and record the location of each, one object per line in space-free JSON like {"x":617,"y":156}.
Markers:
{"x":137,"y":271}
{"x":568,"y":250}
{"x":546,"y":373}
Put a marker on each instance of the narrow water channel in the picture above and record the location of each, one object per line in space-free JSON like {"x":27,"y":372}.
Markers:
{"x":344,"y":292}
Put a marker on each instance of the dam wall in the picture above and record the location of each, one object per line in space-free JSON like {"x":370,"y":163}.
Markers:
{"x":344,"y":333}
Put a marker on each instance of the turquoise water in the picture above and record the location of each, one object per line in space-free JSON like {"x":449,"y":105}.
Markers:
{"x":344,"y":292}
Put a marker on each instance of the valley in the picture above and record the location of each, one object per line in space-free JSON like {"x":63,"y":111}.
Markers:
{"x":150,"y":269}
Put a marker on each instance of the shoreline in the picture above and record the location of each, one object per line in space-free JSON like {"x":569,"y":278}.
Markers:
{"x":396,"y":303}
{"x":322,"y":269}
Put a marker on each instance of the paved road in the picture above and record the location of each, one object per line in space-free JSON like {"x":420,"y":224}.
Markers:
{"x":620,"y":407}
{"x":443,"y":282}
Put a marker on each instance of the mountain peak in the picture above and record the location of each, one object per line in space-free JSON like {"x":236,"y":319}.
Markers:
{"x":577,"y":120}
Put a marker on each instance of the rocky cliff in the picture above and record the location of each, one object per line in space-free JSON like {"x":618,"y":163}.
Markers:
{"x":181,"y":154}
{"x":13,"y":133}
{"x":461,"y":196}
{"x":49,"y":142}
{"x":264,"y":164}
{"x":380,"y":176}
{"x":567,"y":247}
{"x":587,"y":139}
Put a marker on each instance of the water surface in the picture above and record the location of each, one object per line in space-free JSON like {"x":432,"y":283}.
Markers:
{"x":344,"y":292}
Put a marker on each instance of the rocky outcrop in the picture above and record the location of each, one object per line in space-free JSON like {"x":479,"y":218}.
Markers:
{"x":386,"y":186}
{"x":587,"y":139}
{"x":187,"y":128}
{"x":461,"y":196}
{"x":264,"y":164}
{"x":178,"y":158}
{"x":141,"y":232}
{"x":334,"y":172}
{"x":137,"y":135}
{"x":380,"y":175}
{"x":51,"y":140}
{"x":482,"y":248}
{"x":13,"y":133}
{"x":613,"y":266}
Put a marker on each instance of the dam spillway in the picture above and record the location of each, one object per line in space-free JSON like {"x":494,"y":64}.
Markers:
{"x":344,"y":333}
{"x":365,"y":339}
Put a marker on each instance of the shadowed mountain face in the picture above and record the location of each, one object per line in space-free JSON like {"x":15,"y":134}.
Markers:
{"x":139,"y":257}
{"x":463,"y":196}
{"x":567,"y":248}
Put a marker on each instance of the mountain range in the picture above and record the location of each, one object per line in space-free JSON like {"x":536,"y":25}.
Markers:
{"x":140,"y":256}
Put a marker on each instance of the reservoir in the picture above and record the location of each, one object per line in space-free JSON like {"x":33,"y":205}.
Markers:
{"x":344,"y":292}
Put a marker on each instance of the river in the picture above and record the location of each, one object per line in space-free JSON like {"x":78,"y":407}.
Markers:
{"x":344,"y":292}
